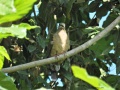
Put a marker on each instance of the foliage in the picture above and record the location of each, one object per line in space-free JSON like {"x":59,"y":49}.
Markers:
{"x":81,"y":73}
{"x":18,"y":31}
{"x":80,"y":27}
{"x":6,"y":83}
{"x":11,"y":31}
{"x":14,"y":9}
{"x":3,"y":53}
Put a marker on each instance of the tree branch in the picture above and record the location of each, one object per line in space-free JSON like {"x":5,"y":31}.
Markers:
{"x":66,"y":55}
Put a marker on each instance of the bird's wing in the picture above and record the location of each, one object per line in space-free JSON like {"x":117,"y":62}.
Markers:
{"x":60,"y":42}
{"x":57,"y":47}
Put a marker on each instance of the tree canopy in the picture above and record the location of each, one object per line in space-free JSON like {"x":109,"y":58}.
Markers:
{"x":26,"y":36}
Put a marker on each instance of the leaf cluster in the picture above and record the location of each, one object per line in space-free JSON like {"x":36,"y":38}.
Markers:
{"x":24,"y":45}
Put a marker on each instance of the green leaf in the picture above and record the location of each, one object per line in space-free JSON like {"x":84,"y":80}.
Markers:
{"x":1,"y":61}
{"x":7,"y":7}
{"x":69,"y":7}
{"x":6,"y":82}
{"x":102,"y":47}
{"x":22,"y":72}
{"x":113,"y":80}
{"x":95,"y":29}
{"x":109,"y":19}
{"x":3,"y":53}
{"x":66,"y":74}
{"x":81,"y":73}
{"x":22,"y":7}
{"x":27,"y":26}
{"x":19,"y":31}
{"x":41,"y":41}
{"x":79,"y":1}
{"x":31,"y":48}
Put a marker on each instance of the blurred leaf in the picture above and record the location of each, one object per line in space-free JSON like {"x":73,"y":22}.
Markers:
{"x":19,"y":31}
{"x":66,"y":74}
{"x":80,"y":85}
{"x":23,"y":84}
{"x":109,"y":19}
{"x":12,"y":31}
{"x":27,"y":26}
{"x":22,"y":8}
{"x":69,"y":7}
{"x":1,"y":61}
{"x":116,"y":10}
{"x":81,"y":73}
{"x":66,"y":65}
{"x":113,"y":80}
{"x":3,"y":53}
{"x":79,"y":1}
{"x":96,"y":29}
{"x":23,"y":72}
{"x":31,"y":48}
{"x":41,"y":41}
{"x":102,"y":47}
{"x":6,"y":82}
{"x":7,"y":7}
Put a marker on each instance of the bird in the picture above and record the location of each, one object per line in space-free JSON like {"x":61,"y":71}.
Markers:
{"x":61,"y":42}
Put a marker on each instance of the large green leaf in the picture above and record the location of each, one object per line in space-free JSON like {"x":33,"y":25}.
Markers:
{"x":12,"y":31}
{"x":7,"y":7}
{"x":81,"y":73}
{"x":3,"y":53}
{"x":19,"y":31}
{"x":6,"y":82}
{"x":22,"y":7}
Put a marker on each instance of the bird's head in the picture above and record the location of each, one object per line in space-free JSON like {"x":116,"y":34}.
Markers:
{"x":62,"y":26}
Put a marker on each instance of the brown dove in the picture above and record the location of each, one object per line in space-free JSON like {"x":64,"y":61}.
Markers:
{"x":61,"y":41}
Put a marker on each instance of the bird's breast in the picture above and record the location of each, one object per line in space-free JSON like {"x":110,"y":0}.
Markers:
{"x":64,"y":39}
